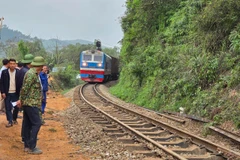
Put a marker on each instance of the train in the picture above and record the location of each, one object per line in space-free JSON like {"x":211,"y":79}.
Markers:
{"x":97,"y":66}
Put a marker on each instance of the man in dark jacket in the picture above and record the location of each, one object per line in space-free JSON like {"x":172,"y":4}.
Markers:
{"x":10,"y":91}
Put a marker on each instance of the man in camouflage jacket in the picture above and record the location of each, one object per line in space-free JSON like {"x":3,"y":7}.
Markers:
{"x":31,"y":100}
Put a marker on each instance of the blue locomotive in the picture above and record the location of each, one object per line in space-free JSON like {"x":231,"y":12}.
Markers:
{"x":97,"y":66}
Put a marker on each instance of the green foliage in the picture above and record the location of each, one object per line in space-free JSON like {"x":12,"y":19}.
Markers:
{"x":36,"y":48}
{"x":234,"y":38}
{"x":216,"y":22}
{"x":22,"y":48}
{"x":69,"y":55}
{"x":112,"y":51}
{"x":182,"y":54}
{"x":66,"y":78}
{"x":205,"y":69}
{"x":10,"y":48}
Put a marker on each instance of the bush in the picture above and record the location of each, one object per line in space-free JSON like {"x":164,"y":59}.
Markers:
{"x":66,"y":78}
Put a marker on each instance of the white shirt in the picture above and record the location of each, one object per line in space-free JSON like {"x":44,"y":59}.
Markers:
{"x":3,"y":68}
{"x":12,"y":83}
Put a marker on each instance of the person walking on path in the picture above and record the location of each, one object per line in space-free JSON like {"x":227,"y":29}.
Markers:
{"x":26,"y":66}
{"x":31,"y":100}
{"x":10,"y":91}
{"x":5,"y":63}
{"x":44,"y":81}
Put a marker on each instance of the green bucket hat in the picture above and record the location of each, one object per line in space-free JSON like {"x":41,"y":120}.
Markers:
{"x":38,"y":61}
{"x":27,"y":58}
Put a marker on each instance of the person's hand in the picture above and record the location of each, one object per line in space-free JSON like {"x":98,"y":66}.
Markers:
{"x":19,"y":104}
{"x":3,"y":96}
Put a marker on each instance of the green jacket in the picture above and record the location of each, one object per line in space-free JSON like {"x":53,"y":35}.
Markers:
{"x":30,"y":94}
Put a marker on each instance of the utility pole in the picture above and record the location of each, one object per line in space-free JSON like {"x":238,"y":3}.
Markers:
{"x":1,"y":22}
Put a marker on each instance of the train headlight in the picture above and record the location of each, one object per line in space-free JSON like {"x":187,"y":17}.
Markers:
{"x":84,"y":64}
{"x":99,"y":65}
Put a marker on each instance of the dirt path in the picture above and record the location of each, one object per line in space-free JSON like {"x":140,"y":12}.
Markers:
{"x":53,"y":140}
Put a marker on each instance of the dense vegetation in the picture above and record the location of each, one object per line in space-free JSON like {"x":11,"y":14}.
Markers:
{"x":182,"y":53}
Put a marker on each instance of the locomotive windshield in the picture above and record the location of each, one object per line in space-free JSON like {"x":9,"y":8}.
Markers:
{"x":97,"y":57}
{"x":87,"y":57}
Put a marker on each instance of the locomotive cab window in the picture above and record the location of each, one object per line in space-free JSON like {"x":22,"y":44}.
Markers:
{"x":87,"y":57}
{"x":97,"y":58}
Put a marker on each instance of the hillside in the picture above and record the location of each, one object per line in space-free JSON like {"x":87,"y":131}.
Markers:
{"x":8,"y":34}
{"x":182,"y":54}
{"x":50,"y":44}
{"x":13,"y":35}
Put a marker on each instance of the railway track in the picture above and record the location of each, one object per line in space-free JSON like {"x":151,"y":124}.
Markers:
{"x":235,"y":138}
{"x":145,"y":135}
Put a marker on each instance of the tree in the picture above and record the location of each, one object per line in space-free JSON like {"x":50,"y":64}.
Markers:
{"x":112,"y":51}
{"x":22,"y":48}
{"x":36,"y":48}
{"x":11,"y":49}
{"x":70,"y":54}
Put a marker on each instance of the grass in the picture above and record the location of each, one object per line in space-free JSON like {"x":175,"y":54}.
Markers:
{"x":52,"y":130}
{"x":65,"y":91}
{"x":50,"y":112}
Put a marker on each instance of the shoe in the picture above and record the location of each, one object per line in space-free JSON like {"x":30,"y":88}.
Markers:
{"x":35,"y":151}
{"x":15,"y":122}
{"x":9,"y":125}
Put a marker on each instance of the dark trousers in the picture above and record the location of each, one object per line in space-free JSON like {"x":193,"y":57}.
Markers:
{"x":23,"y":125}
{"x":32,"y":124}
{"x":44,"y":101}
{"x":11,"y":97}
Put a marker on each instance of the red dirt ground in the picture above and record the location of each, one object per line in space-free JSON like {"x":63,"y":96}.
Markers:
{"x":53,"y":140}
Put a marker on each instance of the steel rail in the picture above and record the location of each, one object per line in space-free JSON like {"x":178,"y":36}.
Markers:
{"x":195,"y":118}
{"x":215,"y":148}
{"x":175,"y":155}
{"x":166,"y":116}
{"x":171,"y":118}
{"x":226,"y":133}
{"x":230,"y":135}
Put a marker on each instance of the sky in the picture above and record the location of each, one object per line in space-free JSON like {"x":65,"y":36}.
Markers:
{"x":66,"y":19}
